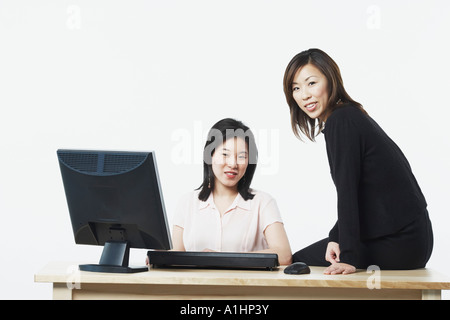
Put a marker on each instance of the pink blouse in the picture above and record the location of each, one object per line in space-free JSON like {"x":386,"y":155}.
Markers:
{"x":240,"y":229}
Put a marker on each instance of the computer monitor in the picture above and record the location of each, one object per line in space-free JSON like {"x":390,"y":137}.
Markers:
{"x":114,"y":200}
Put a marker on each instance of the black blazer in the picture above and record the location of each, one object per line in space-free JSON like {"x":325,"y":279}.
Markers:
{"x":377,"y":192}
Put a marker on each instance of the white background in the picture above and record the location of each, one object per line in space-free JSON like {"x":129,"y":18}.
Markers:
{"x":156,"y":75}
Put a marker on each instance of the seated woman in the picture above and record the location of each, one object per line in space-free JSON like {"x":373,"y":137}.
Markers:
{"x":224,"y":213}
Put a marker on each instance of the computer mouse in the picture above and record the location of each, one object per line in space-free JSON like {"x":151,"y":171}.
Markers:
{"x":297,"y":268}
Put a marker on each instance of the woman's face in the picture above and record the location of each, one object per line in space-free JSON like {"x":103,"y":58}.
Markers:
{"x":229,"y":162}
{"x":310,"y":91}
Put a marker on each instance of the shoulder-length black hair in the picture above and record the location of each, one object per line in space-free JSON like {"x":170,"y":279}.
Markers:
{"x":337,"y":96}
{"x":218,"y":134}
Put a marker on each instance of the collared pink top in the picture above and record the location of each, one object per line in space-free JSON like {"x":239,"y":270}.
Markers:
{"x":240,"y":229}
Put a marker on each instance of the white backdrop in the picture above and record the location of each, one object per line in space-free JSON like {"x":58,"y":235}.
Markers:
{"x":155,"y":75}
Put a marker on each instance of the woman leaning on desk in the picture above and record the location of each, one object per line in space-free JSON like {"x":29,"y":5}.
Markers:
{"x":382,"y":215}
{"x":225,"y":214}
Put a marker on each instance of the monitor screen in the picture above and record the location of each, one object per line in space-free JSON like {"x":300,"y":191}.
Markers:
{"x":114,"y":200}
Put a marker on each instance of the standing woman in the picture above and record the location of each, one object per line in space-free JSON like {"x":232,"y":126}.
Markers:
{"x":382,"y":213}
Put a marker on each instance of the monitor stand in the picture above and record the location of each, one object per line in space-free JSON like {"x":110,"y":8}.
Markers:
{"x":114,"y":259}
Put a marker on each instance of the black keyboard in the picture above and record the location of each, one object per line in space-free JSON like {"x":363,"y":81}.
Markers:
{"x":213,"y":260}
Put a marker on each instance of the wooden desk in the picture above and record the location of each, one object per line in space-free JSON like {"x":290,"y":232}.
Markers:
{"x":237,"y":284}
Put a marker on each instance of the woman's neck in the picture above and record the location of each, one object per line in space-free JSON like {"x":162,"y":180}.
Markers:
{"x":221,"y":191}
{"x":223,"y":197}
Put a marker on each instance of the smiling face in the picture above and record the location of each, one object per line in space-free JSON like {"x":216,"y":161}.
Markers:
{"x":310,"y":91}
{"x":229,"y":163}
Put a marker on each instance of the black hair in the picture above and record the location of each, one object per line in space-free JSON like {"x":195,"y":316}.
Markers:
{"x":337,"y":96}
{"x":220,"y":132}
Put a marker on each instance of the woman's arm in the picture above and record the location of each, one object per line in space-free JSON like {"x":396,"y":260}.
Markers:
{"x":177,"y":238}
{"x":344,"y":149}
{"x":278,"y":243}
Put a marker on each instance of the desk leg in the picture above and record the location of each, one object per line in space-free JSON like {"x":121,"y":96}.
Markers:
{"x":431,"y":294}
{"x":61,"y":292}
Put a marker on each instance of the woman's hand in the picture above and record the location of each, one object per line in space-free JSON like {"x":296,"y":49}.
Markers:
{"x":338,"y":268}
{"x":333,"y":252}
{"x":332,"y":256}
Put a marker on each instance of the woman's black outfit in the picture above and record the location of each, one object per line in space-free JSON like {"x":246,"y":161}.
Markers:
{"x":382,"y":215}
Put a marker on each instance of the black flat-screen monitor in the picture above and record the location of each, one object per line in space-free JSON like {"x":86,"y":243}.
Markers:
{"x":114,"y":200}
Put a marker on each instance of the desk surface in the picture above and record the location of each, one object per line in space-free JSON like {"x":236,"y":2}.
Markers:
{"x":422,"y":279}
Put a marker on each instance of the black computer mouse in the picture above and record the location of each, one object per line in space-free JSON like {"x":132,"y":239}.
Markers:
{"x":297,"y":268}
